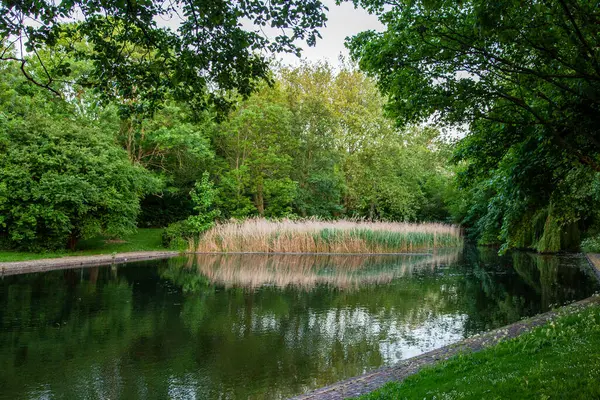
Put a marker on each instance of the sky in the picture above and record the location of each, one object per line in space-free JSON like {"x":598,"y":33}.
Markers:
{"x":343,"y":21}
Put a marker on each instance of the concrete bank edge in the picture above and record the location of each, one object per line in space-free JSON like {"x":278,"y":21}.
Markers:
{"x":594,"y":261}
{"x":49,"y":264}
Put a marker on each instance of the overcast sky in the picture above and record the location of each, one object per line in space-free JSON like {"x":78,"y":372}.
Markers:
{"x":343,"y":21}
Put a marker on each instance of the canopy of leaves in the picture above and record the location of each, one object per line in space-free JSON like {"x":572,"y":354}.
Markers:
{"x":315,"y":143}
{"x":319,"y":144}
{"x":217,"y":46}
{"x":525,"y":77}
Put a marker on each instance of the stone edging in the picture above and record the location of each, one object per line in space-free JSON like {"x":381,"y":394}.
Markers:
{"x":48,"y":264}
{"x":373,"y":380}
{"x":594,"y":261}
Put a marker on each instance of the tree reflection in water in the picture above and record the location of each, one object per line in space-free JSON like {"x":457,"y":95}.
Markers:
{"x":257,"y":326}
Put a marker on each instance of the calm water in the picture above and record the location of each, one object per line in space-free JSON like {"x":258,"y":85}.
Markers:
{"x":253,"y":326}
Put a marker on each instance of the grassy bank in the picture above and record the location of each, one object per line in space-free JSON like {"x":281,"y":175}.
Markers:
{"x":312,"y":236}
{"x":560,"y":360}
{"x":142,"y":240}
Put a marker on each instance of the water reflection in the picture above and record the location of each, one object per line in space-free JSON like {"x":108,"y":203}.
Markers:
{"x":308,"y":271}
{"x":229,"y":327}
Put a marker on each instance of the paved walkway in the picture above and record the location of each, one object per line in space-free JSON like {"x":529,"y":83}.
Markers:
{"x":48,"y":264}
{"x":373,"y":380}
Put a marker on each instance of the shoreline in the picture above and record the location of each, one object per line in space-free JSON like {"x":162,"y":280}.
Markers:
{"x":371,"y":381}
{"x":50,"y":264}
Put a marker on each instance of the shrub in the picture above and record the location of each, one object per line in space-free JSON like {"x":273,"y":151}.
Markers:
{"x":591,"y":244}
{"x":177,"y":234}
{"x":62,"y":180}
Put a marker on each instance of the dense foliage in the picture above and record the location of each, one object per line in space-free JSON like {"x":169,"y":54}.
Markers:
{"x":319,"y":144}
{"x":316,"y":143}
{"x":149,"y":51}
{"x":520,"y":79}
{"x":523,"y":77}
{"x":62,"y":177}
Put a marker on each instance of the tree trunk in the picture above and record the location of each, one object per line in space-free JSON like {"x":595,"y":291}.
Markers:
{"x":259,"y":201}
{"x":372,"y":211}
{"x":72,"y":242}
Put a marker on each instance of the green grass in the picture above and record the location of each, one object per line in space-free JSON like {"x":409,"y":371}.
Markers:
{"x":389,"y":241}
{"x":560,"y":360}
{"x":142,"y":240}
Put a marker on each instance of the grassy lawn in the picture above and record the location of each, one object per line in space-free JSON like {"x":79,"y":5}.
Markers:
{"x":142,"y":240}
{"x":560,"y":360}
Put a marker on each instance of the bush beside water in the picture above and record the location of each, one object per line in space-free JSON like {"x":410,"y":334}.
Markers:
{"x":591,"y":244}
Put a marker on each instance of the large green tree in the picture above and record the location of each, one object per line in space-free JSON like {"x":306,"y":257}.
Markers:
{"x":525,"y":77}
{"x":257,"y":147}
{"x":319,"y":144}
{"x":308,"y":94}
{"x":62,"y":177}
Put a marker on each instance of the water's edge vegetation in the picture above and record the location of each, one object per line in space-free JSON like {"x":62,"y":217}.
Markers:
{"x":314,"y":236}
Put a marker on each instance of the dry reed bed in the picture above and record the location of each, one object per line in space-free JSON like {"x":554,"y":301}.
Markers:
{"x":314,"y":236}
{"x":307,"y":271}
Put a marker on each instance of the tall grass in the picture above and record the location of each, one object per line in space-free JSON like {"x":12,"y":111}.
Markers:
{"x":315,"y":236}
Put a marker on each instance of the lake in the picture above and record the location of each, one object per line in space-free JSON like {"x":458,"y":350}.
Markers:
{"x":258,"y":326}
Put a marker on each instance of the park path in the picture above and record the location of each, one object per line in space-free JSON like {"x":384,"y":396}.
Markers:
{"x":48,"y":264}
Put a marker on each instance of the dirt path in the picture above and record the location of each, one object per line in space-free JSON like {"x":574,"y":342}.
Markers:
{"x":48,"y":264}
{"x":373,"y":380}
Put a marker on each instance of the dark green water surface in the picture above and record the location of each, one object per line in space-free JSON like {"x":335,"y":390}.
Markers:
{"x":255,"y":326}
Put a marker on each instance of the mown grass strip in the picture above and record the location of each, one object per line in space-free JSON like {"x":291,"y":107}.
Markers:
{"x":143,"y":240}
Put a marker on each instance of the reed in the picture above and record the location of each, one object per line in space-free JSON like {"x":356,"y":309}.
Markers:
{"x":315,"y":236}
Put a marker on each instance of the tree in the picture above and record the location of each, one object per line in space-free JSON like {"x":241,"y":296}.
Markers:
{"x":175,"y":145}
{"x":61,"y":178}
{"x":524,"y":76}
{"x":203,"y":195}
{"x":208,"y":55}
{"x":318,"y":143}
{"x":308,"y":93}
{"x":257,"y":146}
